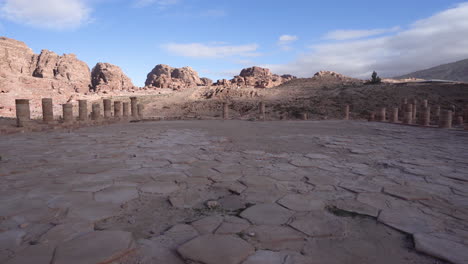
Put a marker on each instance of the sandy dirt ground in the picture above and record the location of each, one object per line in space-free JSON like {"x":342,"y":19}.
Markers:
{"x":328,"y":192}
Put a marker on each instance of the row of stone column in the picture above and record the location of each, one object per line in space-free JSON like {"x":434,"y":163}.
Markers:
{"x":411,"y":116}
{"x":121,"y":110}
{"x":261,"y":109}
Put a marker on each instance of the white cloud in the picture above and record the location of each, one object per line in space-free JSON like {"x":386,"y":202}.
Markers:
{"x":160,"y":3}
{"x":439,"y":39}
{"x":199,"y":50}
{"x":52,"y":14}
{"x":356,"y":34}
{"x":285,"y":41}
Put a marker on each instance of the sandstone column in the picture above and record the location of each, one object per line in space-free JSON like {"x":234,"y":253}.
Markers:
{"x":304,"y":116}
{"x":383,"y":113}
{"x":117,"y":109}
{"x":415,"y":104}
{"x":408,"y":115}
{"x":96,"y":112}
{"x":141,"y":108}
{"x":67,"y":113}
{"x":346,"y":112}
{"x":23,"y":113}
{"x":426,"y":116}
{"x":225,"y":111}
{"x":395,"y":115}
{"x":107,"y":108}
{"x":126,"y":109}
{"x":262,"y":110}
{"x":460,"y":120}
{"x":134,"y":104}
{"x":47,"y":110}
{"x":83,"y":110}
{"x":425,"y":103}
{"x":446,"y":119}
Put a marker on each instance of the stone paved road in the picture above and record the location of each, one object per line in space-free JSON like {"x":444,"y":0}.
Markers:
{"x":235,"y":192}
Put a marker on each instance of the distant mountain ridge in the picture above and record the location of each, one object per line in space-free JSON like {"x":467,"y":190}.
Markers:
{"x":455,"y":71}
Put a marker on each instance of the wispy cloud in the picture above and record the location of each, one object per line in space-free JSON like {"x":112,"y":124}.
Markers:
{"x":435,"y":40}
{"x":285,"y":41}
{"x":357,"y":34}
{"x":200,"y":50}
{"x":52,"y":14}
{"x":159,"y":3}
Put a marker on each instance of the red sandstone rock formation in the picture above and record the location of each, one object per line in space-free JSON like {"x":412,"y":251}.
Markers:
{"x":20,"y":68}
{"x":164,"y":76}
{"x":255,"y":77}
{"x":109,"y":77}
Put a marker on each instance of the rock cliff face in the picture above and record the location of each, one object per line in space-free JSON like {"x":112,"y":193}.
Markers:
{"x":109,"y":77}
{"x":255,"y":77}
{"x":21,"y":69}
{"x":16,"y":58}
{"x":19,"y":66}
{"x":164,"y":76}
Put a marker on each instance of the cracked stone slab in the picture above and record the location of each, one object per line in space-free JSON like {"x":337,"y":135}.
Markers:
{"x":65,"y":232}
{"x":215,"y":249}
{"x":274,"y":257}
{"x":181,"y":233}
{"x":11,"y":238}
{"x":155,"y":252}
{"x":232,"y":203}
{"x":94,"y":211}
{"x":232,"y":225}
{"x":208,"y":225}
{"x":95,"y":247}
{"x":275,"y":237}
{"x":320,"y":224}
{"x":407,"y":193}
{"x":116,"y":195}
{"x":159,"y":187}
{"x":441,"y":246}
{"x":360,"y":186}
{"x":37,"y":254}
{"x":267,"y":214}
{"x":301,"y":202}
{"x":410,"y":220}
{"x":356,"y":207}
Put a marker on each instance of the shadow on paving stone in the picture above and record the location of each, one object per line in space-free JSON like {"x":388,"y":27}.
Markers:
{"x":367,"y":241}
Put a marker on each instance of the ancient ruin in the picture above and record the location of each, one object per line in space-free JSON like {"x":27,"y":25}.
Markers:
{"x":262,"y":168}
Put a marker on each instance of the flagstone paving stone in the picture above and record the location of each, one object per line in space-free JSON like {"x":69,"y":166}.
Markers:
{"x":284,"y":192}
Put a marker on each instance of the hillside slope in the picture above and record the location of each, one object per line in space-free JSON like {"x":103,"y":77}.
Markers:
{"x":456,"y":71}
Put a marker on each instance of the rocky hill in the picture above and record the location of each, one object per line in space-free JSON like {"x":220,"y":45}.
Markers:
{"x":456,"y":71}
{"x":165,"y":76}
{"x":108,"y":77}
{"x":255,"y":77}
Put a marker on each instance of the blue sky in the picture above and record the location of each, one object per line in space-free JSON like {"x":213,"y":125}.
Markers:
{"x":219,"y":38}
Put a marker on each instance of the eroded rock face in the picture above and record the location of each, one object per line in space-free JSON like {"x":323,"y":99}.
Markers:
{"x":256,"y":77}
{"x":65,"y":68}
{"x":19,"y":66}
{"x":109,"y":77}
{"x":15,"y":57}
{"x":164,"y":76}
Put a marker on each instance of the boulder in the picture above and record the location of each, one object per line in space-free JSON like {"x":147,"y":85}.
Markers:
{"x":109,"y":77}
{"x":164,"y":76}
